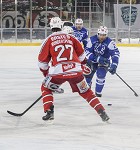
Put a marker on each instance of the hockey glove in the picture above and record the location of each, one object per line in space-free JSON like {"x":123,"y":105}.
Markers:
{"x":103,"y":61}
{"x":86,"y":70}
{"x":112,"y":69}
{"x":87,"y":67}
{"x":90,"y":64}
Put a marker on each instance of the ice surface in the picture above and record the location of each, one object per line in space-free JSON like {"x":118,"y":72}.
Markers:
{"x":76,"y":125}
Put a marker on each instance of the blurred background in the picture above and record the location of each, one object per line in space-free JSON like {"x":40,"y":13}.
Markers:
{"x":28,"y":20}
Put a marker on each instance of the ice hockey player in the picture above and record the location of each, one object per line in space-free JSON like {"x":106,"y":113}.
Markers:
{"x":66,"y":54}
{"x":80,"y":32}
{"x":104,"y":54}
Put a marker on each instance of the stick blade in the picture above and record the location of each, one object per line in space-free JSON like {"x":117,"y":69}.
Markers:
{"x":14,"y":114}
{"x":136,"y":94}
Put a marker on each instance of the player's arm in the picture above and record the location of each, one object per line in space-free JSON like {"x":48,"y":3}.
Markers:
{"x":92,"y":57}
{"x":115,"y":54}
{"x":89,"y":51}
{"x":86,"y":35}
{"x":85,"y":38}
{"x":44,"y":58}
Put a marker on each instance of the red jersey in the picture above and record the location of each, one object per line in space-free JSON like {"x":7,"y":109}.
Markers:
{"x":64,"y":51}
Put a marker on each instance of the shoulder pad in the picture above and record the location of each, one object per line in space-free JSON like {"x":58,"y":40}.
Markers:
{"x":112,"y":45}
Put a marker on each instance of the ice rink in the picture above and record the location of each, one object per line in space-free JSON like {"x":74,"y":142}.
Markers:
{"x":76,"y":126}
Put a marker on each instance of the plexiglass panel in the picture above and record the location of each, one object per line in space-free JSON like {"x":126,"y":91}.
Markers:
{"x":28,"y":20}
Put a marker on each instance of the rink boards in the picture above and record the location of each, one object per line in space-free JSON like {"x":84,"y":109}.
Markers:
{"x":38,"y":44}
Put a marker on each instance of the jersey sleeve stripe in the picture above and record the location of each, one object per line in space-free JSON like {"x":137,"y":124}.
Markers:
{"x":82,"y":57}
{"x":43,"y":66}
{"x":116,"y":56}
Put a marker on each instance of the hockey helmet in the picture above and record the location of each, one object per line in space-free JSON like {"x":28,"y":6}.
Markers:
{"x":56,"y":22}
{"x":68,"y":29}
{"x":79,"y":23}
{"x":103,"y":30}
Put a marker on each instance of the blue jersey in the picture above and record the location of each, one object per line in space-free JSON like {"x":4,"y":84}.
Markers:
{"x":107,"y":49}
{"x":81,"y":35}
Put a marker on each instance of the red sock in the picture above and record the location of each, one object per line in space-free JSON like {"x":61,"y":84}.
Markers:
{"x":92,"y":100}
{"x":47,"y":98}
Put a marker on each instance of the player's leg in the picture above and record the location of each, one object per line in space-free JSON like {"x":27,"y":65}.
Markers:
{"x":50,"y":84}
{"x":80,"y":85}
{"x":47,"y":97}
{"x":100,"y":80}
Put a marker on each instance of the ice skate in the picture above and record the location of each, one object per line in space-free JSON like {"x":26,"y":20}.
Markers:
{"x":98,"y":95}
{"x":49,"y":114}
{"x":103,"y":115}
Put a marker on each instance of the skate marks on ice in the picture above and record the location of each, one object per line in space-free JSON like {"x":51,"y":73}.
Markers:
{"x":76,"y":126}
{"x":70,"y":135}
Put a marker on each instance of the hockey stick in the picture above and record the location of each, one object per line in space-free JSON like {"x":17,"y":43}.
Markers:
{"x":127,"y":85}
{"x":21,"y":114}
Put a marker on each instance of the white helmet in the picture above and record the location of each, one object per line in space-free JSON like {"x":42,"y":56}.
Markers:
{"x":103,"y":30}
{"x":78,"y":21}
{"x":79,"y":24}
{"x":68,"y":29}
{"x":56,"y":22}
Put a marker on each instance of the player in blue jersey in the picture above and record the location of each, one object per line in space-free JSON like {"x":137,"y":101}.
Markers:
{"x":103,"y":56}
{"x":80,"y":32}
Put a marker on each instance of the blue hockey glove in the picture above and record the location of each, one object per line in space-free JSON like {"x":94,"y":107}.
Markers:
{"x":103,"y":61}
{"x":112,"y":69}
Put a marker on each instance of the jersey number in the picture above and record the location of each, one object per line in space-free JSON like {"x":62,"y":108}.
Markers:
{"x":62,"y":49}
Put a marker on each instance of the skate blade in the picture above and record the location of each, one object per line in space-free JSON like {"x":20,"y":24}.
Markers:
{"x":108,"y":122}
{"x":49,"y":122}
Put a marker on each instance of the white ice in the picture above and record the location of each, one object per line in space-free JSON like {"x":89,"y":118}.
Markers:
{"x":76,"y":126}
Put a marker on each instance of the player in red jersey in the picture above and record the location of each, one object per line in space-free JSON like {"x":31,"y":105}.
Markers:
{"x":66,"y":55}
